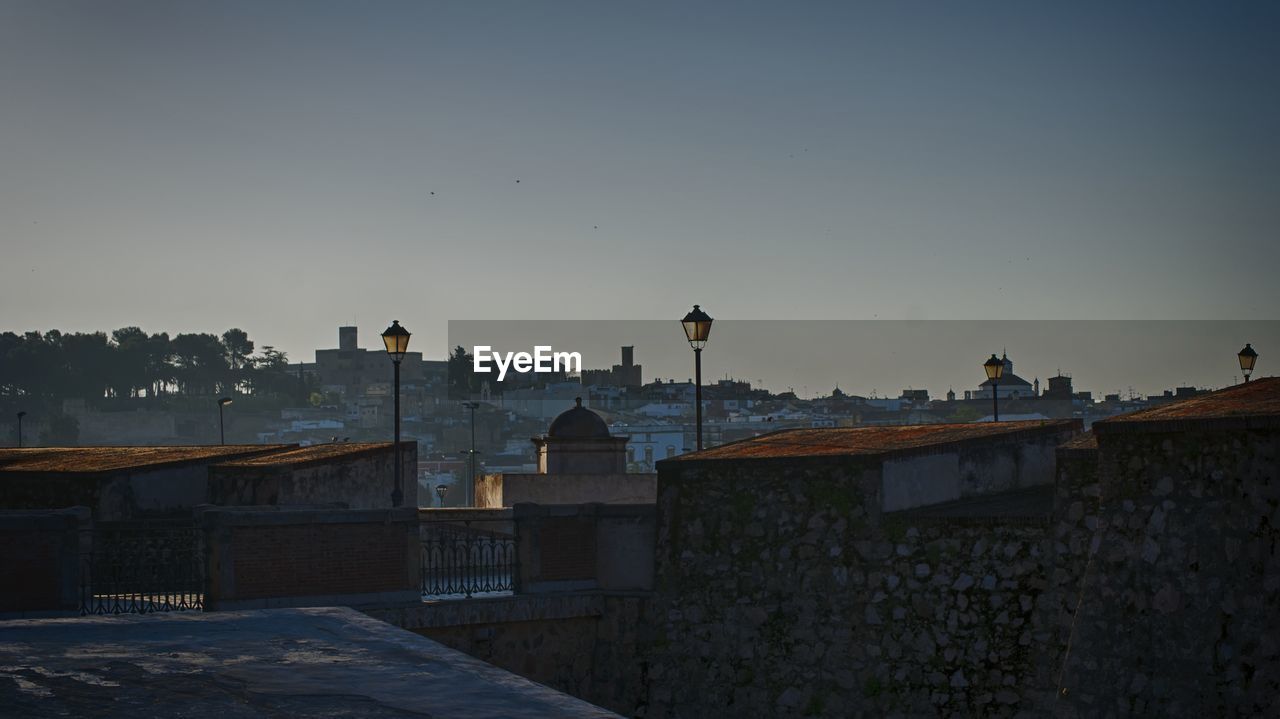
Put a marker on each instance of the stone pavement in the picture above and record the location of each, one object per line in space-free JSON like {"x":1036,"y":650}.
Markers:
{"x":309,"y":663}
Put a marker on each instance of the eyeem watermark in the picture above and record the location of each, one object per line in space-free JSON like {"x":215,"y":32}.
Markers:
{"x":543,"y":359}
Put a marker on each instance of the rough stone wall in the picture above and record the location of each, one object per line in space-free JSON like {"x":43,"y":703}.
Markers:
{"x":360,"y":482}
{"x":1180,"y":608}
{"x":785,"y":592}
{"x":593,"y":655}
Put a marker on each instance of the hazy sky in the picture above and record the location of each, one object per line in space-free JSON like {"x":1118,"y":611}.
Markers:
{"x":193,"y":166}
{"x":881,"y":358}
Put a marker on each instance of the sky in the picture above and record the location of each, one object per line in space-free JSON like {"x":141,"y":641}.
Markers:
{"x":289,"y":167}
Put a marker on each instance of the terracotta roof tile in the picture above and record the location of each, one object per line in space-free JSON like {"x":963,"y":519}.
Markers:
{"x":1255,"y":403}
{"x":1085,"y":441}
{"x":97,"y":460}
{"x":870,"y":441}
{"x":314,"y":453}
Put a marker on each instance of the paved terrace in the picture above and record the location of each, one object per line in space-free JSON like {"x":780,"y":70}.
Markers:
{"x":323,"y":662}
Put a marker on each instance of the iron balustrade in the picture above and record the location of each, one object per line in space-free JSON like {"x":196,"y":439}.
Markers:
{"x":138,"y":567}
{"x":463,"y":558}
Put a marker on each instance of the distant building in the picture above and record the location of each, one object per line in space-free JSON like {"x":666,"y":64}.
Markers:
{"x":362,"y":378}
{"x":1009,"y":386}
{"x":578,"y":442}
{"x":626,"y":374}
{"x":1059,"y":388}
{"x":579,"y":460}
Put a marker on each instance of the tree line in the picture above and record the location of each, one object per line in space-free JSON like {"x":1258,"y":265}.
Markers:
{"x":129,"y":363}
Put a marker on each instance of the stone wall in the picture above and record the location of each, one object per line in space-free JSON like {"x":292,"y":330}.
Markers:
{"x":1179,"y":608}
{"x":510,"y":489}
{"x":361,"y":480}
{"x":585,"y":643}
{"x":788,"y":592}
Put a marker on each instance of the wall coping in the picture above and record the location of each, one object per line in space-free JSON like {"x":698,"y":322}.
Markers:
{"x":1103,"y":428}
{"x":529,"y":510}
{"x":496,"y":610}
{"x":25,"y":519}
{"x":464,"y":514}
{"x":209,"y":516}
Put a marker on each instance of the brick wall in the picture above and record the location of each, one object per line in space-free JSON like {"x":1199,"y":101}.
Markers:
{"x":277,"y":557}
{"x":29,"y":577}
{"x":40,"y":561}
{"x":311,"y":559}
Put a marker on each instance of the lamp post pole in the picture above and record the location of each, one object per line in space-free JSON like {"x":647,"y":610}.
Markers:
{"x":397,"y":494}
{"x":468,"y":490}
{"x":20,"y":416}
{"x":697,"y":391}
{"x":697,"y":327}
{"x":995,"y":400}
{"x":222,"y":431}
{"x":396,"y":340}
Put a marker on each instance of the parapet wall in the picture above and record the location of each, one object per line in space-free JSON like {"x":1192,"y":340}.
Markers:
{"x":1147,"y":584}
{"x":40,"y":554}
{"x":1179,"y":608}
{"x":786,"y":592}
{"x":510,"y":489}
{"x":266,"y":557}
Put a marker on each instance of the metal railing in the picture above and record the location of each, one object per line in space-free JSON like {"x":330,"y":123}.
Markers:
{"x":465,"y":558}
{"x":138,"y":567}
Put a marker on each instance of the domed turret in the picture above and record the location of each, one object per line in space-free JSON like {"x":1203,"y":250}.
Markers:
{"x":578,"y":442}
{"x":578,"y":422}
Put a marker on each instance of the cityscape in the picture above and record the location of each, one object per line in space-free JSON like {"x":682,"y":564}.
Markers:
{"x":560,"y":359}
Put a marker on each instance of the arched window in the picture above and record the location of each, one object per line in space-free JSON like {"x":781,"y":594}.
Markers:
{"x":648,"y":454}
{"x":671,"y":450}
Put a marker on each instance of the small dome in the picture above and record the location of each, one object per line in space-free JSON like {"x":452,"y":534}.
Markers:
{"x":578,"y":423}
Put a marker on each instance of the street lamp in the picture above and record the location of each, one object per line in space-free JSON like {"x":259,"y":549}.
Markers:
{"x":222,"y":431}
{"x":994,"y":368}
{"x":469,"y":488}
{"x":1247,"y":357}
{"x":396,"y":339}
{"x":441,"y":491}
{"x":20,"y":416}
{"x":697,"y":327}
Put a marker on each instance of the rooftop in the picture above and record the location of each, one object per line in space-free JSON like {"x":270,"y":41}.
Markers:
{"x":314,"y":454}
{"x":1253,"y":404}
{"x":307,"y":663}
{"x":872,"y":441}
{"x":98,"y":460}
{"x":1085,"y":442}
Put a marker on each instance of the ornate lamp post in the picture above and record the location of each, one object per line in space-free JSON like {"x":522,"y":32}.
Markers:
{"x":1247,"y":357}
{"x":20,"y":416}
{"x":994,"y":368}
{"x":396,"y":339}
{"x":697,"y":327}
{"x":222,"y":431}
{"x":441,"y":491}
